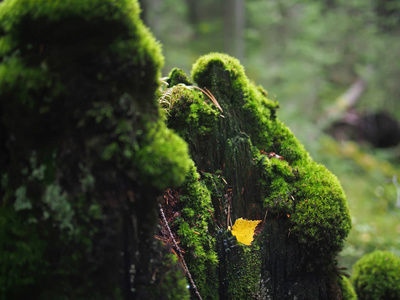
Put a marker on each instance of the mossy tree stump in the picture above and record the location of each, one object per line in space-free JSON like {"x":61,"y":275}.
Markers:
{"x":84,"y":154}
{"x":254,"y":168}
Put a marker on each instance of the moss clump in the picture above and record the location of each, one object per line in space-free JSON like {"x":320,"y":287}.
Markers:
{"x":347,"y":289}
{"x":377,"y":276}
{"x":256,"y":169}
{"x":84,"y":151}
{"x":177,"y":76}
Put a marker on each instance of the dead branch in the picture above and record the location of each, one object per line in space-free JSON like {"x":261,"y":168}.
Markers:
{"x":179,"y":252}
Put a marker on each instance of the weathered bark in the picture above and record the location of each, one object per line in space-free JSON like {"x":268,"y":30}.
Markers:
{"x":234,"y":14}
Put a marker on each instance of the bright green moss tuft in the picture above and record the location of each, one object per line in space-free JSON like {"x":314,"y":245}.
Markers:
{"x":177,"y":76}
{"x":348,"y":292}
{"x":321,"y":218}
{"x":377,"y":276}
{"x":162,"y":161}
{"x":202,"y":73}
{"x":191,"y":114}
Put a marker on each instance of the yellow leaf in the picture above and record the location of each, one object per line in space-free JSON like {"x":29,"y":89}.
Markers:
{"x":244,"y":230}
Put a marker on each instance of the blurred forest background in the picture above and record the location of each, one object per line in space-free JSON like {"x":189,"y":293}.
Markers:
{"x":334,"y":67}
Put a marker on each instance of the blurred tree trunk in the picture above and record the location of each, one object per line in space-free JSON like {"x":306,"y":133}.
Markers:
{"x":143,"y":5}
{"x":151,"y":13}
{"x":240,"y":13}
{"x":193,"y":12}
{"x":234,"y":24}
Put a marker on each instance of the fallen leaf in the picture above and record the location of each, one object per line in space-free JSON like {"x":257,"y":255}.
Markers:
{"x":243,"y":230}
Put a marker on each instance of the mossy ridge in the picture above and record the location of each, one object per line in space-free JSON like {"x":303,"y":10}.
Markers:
{"x":189,"y":212}
{"x":283,"y":183}
{"x":377,"y":276}
{"x":96,"y":133}
{"x":195,"y":228}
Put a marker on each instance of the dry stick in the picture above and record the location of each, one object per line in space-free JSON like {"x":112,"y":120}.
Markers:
{"x":178,"y":250}
{"x":265,"y":217}
{"x":228,"y":216}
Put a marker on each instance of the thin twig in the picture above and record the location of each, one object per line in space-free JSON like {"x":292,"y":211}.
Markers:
{"x":228,"y":217}
{"x":178,"y":250}
{"x":265,"y":217}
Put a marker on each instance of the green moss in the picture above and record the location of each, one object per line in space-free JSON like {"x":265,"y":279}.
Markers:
{"x":24,"y":261}
{"x":239,"y":269}
{"x":156,"y":164}
{"x":226,"y":78}
{"x":295,"y":185}
{"x":169,"y":281}
{"x":321,"y":217}
{"x":255,"y":168}
{"x":177,"y":76}
{"x":78,"y":83}
{"x":348,"y":292}
{"x":195,"y":229}
{"x":377,"y":276}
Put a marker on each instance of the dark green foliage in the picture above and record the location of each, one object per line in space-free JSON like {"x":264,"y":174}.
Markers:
{"x":24,"y":260}
{"x":377,"y":276}
{"x":84,"y":152}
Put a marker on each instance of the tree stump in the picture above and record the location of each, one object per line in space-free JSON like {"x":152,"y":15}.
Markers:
{"x":254,"y":168}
